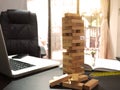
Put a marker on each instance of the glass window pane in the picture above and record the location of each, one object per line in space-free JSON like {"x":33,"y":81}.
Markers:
{"x":58,"y":9}
{"x":40,"y":7}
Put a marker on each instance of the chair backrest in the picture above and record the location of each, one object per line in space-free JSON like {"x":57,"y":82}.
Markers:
{"x":20,"y":32}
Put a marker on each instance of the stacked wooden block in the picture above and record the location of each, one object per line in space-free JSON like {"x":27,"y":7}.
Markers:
{"x":73,"y":42}
{"x":74,"y":81}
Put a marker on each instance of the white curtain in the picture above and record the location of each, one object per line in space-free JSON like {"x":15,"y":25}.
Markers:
{"x":105,"y":41}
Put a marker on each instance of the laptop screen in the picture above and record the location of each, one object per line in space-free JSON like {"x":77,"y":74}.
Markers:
{"x":4,"y":63}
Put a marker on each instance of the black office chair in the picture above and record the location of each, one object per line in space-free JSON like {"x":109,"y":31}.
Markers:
{"x":20,"y":32}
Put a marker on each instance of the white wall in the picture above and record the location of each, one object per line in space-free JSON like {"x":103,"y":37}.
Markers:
{"x":118,"y":30}
{"x":13,"y":4}
{"x":114,"y":27}
{"x":113,"y":24}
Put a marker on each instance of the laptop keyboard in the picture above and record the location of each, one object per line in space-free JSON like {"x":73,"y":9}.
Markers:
{"x":17,"y":65}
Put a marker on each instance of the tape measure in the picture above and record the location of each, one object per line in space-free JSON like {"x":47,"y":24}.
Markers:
{"x":97,"y":74}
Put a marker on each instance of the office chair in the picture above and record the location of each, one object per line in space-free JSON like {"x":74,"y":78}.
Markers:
{"x":20,"y":32}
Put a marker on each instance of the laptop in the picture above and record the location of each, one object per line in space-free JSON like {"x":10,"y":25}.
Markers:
{"x":26,"y":65}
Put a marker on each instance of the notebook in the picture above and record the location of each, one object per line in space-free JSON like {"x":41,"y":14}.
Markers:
{"x":31,"y":64}
{"x":101,"y":64}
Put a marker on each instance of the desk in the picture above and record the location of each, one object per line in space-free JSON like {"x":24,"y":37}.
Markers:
{"x":40,"y":81}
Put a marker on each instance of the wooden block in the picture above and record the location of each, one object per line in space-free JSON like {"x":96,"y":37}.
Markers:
{"x":76,"y":51}
{"x":73,"y":65}
{"x":66,"y":41}
{"x":67,"y":34}
{"x":90,"y":84}
{"x":67,"y":38}
{"x":67,"y":58}
{"x":80,"y":44}
{"x":78,"y":58}
{"x":71,"y":20}
{"x":73,"y":41}
{"x":77,"y":24}
{"x":77,"y":21}
{"x":76,"y":37}
{"x":77,"y":31}
{"x":76,"y":41}
{"x":73,"y":69}
{"x":78,"y":78}
{"x":77,"y":54}
{"x":74,"y":77}
{"x":77,"y":69}
{"x":66,"y":31}
{"x":78,"y":86}
{"x":73,"y":25}
{"x":77,"y":34}
{"x":59,"y":80}
{"x":66,"y":27}
{"x":72,"y":15}
{"x":78,"y":27}
{"x":83,"y":78}
{"x":77,"y":48}
{"x":73,"y":61}
{"x":66,"y":70}
{"x":70,"y":64}
{"x":67,"y":45}
{"x":67,"y":24}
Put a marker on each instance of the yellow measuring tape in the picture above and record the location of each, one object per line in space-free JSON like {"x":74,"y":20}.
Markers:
{"x":96,"y":74}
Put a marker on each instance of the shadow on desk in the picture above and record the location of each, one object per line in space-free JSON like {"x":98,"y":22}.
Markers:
{"x":4,"y":81}
{"x":40,"y":81}
{"x":105,"y":83}
{"x":108,"y":83}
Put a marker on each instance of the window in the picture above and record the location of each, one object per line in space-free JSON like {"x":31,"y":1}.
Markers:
{"x":40,"y":7}
{"x":89,"y":10}
{"x":92,"y":19}
{"x":58,"y":9}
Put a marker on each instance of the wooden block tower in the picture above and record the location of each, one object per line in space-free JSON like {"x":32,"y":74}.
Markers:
{"x":73,"y":42}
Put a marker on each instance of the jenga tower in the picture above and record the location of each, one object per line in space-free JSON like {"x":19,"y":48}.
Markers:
{"x":73,"y":42}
